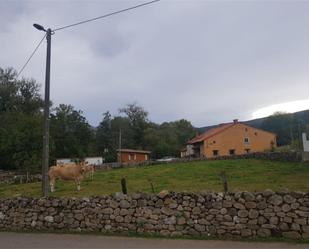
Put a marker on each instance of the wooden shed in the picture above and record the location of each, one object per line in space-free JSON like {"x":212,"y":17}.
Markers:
{"x":129,"y":155}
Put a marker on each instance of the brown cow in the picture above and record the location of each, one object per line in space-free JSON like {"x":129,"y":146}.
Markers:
{"x":70,"y":171}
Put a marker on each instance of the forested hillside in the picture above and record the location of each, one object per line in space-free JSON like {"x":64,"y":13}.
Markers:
{"x":287,"y":126}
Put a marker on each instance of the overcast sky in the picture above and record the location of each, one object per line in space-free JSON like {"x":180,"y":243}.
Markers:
{"x":205,"y":61}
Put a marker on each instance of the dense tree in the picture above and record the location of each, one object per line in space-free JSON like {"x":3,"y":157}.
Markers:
{"x":168,"y":138}
{"x":103,"y":134}
{"x":21,"y":123}
{"x":138,"y":119}
{"x":71,"y":135}
{"x":138,"y":132}
{"x":108,"y":134}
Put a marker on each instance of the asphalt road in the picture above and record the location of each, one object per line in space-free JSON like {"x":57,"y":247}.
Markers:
{"x":69,"y":241}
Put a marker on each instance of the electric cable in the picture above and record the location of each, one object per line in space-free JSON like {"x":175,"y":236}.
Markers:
{"x":37,"y":47}
{"x":79,"y":23}
{"x":110,"y":14}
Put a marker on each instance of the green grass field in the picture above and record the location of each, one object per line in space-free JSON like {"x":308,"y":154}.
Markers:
{"x":251,"y":175}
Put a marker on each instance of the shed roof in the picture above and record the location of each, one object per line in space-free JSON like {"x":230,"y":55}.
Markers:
{"x":135,"y":151}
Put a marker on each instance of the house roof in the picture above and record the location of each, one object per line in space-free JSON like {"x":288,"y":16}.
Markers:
{"x":210,"y":133}
{"x":222,"y":127}
{"x":135,"y":151}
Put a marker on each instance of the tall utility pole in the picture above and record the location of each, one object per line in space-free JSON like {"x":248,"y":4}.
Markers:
{"x":46,"y":119}
{"x":45,"y":160}
{"x":120,"y":146}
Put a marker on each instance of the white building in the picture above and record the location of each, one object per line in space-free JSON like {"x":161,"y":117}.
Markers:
{"x":63,"y":160}
{"x":89,"y":160}
{"x":94,"y":160}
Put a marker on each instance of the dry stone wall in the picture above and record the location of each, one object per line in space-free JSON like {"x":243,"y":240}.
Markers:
{"x":242,"y":214}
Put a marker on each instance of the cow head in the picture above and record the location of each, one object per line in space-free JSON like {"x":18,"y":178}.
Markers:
{"x":82,"y":166}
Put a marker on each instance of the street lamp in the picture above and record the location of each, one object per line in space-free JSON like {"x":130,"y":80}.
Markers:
{"x":45,"y":160}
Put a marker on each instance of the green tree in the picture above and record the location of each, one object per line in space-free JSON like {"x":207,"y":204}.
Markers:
{"x":107,"y":136}
{"x":139,"y":133}
{"x":21,"y":122}
{"x":103,"y":133}
{"x":71,"y":135}
{"x":168,"y":138}
{"x":138,"y":118}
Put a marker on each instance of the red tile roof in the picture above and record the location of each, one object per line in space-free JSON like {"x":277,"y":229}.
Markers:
{"x":210,"y":133}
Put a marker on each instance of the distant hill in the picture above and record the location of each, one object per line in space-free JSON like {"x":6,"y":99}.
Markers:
{"x":257,"y":123}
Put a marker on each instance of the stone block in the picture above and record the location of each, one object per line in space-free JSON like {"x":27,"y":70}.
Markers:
{"x":249,"y":197}
{"x":239,"y":206}
{"x":275,"y":200}
{"x":286,"y":208}
{"x":302,"y":213}
{"x":261,"y":205}
{"x":243,"y":213}
{"x":289,"y":199}
{"x":196,"y":210}
{"x":291,"y":235}
{"x":302,"y":221}
{"x":245,"y":233}
{"x":49,"y":219}
{"x":124,"y":204}
{"x":227,"y":217}
{"x":163,"y":194}
{"x":295,"y":227}
{"x":176,"y":234}
{"x":181,"y":221}
{"x":305,"y":229}
{"x":250,"y":205}
{"x":284,"y":226}
{"x":227,"y":204}
{"x":274,"y":220}
{"x":253,"y":214}
{"x":305,"y":235}
{"x":199,"y":228}
{"x":263,"y":232}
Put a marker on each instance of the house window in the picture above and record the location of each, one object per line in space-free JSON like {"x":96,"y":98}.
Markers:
{"x":134,"y":156}
{"x":246,"y":129}
{"x":146,"y":157}
{"x":255,"y":133}
{"x":232,"y":152}
{"x":215,"y":153}
{"x":246,"y":140}
{"x":131,"y":156}
{"x":247,"y":151}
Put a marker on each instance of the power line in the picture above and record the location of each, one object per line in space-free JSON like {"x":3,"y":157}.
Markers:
{"x":75,"y":24}
{"x":20,"y":71}
{"x":110,"y":14}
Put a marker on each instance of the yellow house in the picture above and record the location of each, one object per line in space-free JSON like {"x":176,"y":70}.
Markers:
{"x":231,"y":139}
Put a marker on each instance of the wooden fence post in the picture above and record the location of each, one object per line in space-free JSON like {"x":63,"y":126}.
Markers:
{"x":124,"y":186}
{"x":224,"y":181}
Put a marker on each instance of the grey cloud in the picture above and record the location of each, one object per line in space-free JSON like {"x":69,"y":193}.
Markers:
{"x":208,"y":62}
